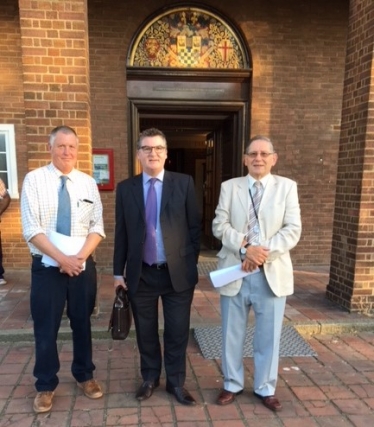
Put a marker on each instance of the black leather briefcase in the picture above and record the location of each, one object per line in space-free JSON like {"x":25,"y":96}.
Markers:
{"x":121,"y":317}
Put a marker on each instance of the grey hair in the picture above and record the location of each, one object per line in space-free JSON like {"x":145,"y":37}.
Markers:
{"x":67,"y":130}
{"x":259,"y":138}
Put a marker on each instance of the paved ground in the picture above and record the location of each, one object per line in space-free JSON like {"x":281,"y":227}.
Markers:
{"x":333,"y":389}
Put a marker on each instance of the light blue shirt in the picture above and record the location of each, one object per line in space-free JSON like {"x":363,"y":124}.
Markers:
{"x":161,"y":257}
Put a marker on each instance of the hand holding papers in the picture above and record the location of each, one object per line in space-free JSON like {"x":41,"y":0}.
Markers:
{"x":67,"y":244}
{"x":227,"y":275}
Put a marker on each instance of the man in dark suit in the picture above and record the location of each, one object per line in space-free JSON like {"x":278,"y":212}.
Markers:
{"x":159,"y":261}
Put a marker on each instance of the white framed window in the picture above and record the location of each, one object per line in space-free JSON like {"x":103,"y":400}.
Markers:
{"x":8,"y":161}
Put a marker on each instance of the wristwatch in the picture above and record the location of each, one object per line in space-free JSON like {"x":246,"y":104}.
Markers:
{"x":243,"y":251}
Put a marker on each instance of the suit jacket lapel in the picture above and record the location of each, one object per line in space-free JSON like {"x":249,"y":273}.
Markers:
{"x":167,"y":189}
{"x":268,"y":191}
{"x":137,"y":190}
{"x":243,"y":193}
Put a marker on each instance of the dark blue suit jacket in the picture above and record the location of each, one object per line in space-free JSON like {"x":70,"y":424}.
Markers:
{"x":180,"y":223}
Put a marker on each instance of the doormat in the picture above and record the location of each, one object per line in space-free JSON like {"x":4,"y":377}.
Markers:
{"x":292,"y":343}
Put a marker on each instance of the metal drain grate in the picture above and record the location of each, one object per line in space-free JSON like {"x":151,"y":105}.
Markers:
{"x":292,"y":343}
{"x":205,"y":267}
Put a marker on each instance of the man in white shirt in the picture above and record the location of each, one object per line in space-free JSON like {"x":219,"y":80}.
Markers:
{"x":74,"y":280}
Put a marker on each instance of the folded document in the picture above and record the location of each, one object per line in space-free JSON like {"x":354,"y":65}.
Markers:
{"x":227,"y":275}
{"x":68,"y":245}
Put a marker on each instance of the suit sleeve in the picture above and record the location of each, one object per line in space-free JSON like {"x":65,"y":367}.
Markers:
{"x":287,"y":237}
{"x":120,"y":235}
{"x":193,"y":217}
{"x":222,"y":226}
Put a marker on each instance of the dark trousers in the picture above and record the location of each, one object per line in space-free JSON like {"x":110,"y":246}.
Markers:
{"x":155,"y":284}
{"x":1,"y":259}
{"x":50,"y":290}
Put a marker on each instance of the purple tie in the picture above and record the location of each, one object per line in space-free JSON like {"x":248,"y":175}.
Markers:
{"x":150,"y":249}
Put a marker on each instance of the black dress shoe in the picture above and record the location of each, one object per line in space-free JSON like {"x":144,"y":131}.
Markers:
{"x":145,"y":391}
{"x":182,"y":395}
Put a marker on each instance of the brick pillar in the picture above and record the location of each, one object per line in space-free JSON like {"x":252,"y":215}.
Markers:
{"x":351,"y":283}
{"x":55,"y":56}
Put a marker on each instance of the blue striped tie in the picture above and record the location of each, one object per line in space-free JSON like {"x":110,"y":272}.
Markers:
{"x":64,"y":209}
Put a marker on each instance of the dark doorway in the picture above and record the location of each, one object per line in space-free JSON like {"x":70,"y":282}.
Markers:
{"x":205,"y":117}
{"x":205,"y":148}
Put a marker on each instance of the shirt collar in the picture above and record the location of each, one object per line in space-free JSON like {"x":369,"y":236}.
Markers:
{"x":264,"y":180}
{"x":147,"y":177}
{"x":58,"y":173}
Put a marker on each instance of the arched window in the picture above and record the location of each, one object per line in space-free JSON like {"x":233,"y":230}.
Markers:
{"x":188,"y":37}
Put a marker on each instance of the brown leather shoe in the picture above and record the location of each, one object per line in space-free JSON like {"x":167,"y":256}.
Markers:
{"x":43,"y":401}
{"x":271,"y":402}
{"x":225,"y":397}
{"x":91,"y":389}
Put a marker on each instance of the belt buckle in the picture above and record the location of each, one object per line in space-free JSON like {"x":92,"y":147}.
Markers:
{"x":161,"y":266}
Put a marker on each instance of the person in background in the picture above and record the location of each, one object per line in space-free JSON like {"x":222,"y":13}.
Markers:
{"x":156,"y":245}
{"x":72,"y":279}
{"x":258,"y":221}
{"x":4,"y":203}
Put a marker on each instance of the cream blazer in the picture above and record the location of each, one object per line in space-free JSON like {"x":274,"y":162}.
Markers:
{"x":280,"y":225}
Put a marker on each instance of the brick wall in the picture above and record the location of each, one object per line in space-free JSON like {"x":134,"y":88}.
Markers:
{"x":298,"y":55}
{"x":12,"y":111}
{"x":55,"y":75}
{"x":298,"y":50}
{"x":352,"y":268}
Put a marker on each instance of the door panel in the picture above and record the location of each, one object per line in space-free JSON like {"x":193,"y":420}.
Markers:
{"x":222,"y":159}
{"x":209,"y":190}
{"x":221,"y":153}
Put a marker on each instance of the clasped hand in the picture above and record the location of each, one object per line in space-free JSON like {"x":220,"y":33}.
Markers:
{"x":72,"y":265}
{"x":254,"y":257}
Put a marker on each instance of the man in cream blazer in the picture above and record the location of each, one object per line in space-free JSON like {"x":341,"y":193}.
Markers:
{"x":264,"y":251}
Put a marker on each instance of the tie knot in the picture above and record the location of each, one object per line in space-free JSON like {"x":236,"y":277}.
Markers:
{"x":64,"y":178}
{"x":152,"y":181}
{"x":258,"y":185}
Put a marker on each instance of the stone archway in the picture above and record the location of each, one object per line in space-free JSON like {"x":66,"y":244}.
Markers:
{"x":190,"y":67}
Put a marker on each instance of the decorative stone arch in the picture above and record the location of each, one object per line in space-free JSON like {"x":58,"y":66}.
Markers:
{"x":189,"y":37}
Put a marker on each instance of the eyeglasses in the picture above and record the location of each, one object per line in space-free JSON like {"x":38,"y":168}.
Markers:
{"x":148,"y":150}
{"x":254,"y":154}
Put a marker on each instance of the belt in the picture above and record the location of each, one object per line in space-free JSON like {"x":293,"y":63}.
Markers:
{"x":157,"y":266}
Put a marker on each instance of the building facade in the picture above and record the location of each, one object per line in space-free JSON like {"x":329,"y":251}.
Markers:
{"x":210,"y":75}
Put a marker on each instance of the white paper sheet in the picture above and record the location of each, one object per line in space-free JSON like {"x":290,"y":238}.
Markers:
{"x":227,"y":275}
{"x":67,"y":244}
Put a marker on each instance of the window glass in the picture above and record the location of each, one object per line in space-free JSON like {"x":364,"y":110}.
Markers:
{"x":8,"y":161}
{"x":2,"y":142}
{"x":3,"y":167}
{"x":4,"y":178}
